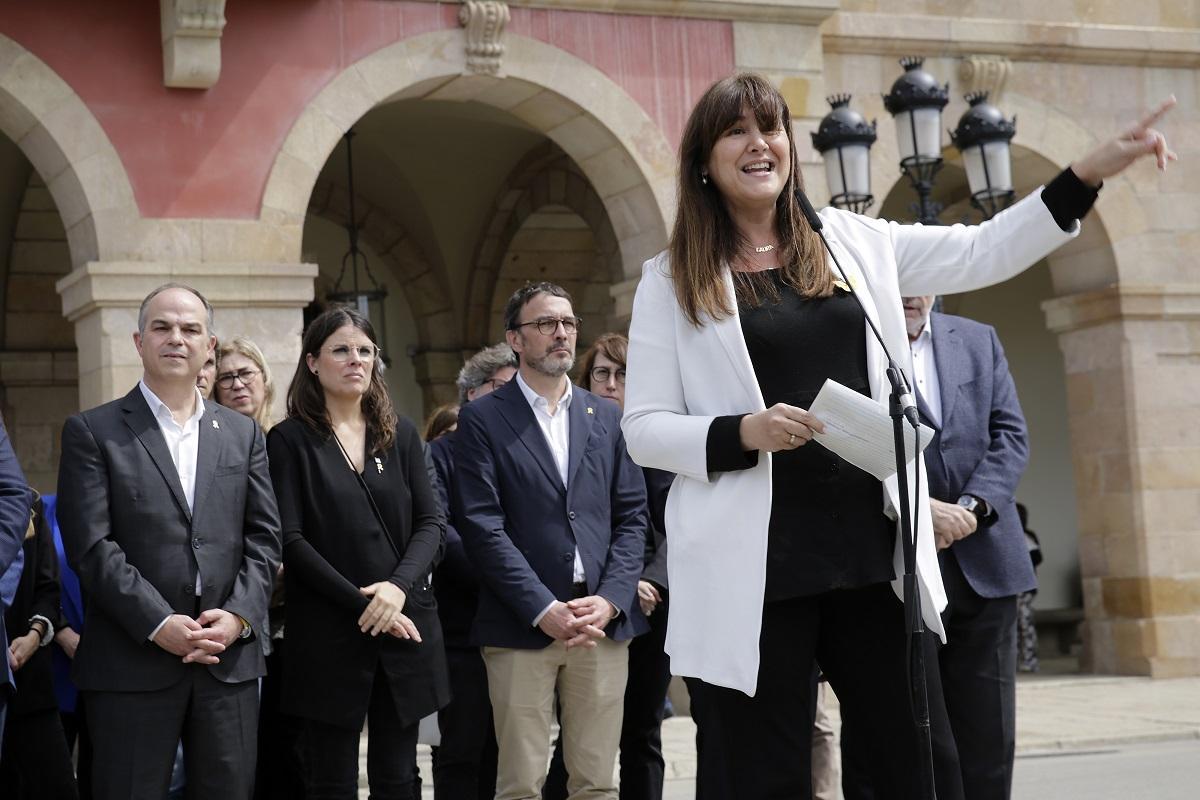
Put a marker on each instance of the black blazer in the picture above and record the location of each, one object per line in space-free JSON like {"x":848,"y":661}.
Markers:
{"x":521,"y":526}
{"x":37,"y":595}
{"x":333,"y":544}
{"x":136,"y":546}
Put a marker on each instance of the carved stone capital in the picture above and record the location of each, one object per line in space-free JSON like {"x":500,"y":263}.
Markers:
{"x":984,"y":74}
{"x":484,"y":21}
{"x":191,"y":39}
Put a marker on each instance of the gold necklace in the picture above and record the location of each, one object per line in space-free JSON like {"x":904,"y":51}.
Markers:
{"x":766,"y":248}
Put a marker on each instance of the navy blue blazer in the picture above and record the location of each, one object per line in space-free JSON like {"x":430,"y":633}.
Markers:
{"x":455,"y":582}
{"x":520,"y":525}
{"x":981,"y":449}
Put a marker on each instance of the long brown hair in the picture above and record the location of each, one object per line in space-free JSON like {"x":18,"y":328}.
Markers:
{"x":306,"y":397}
{"x":705,"y":241}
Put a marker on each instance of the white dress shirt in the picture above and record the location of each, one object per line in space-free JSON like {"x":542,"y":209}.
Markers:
{"x":556,"y":428}
{"x":925,"y":373}
{"x":183,"y":443}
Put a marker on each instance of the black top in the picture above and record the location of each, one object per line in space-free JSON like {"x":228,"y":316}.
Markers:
{"x":333,"y":544}
{"x":827,"y":529}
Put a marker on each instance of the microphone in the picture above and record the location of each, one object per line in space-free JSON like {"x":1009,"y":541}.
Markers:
{"x":895,"y":374}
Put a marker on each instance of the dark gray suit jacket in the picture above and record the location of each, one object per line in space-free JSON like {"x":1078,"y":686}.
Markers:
{"x":129,"y":535}
{"x":981,"y":450}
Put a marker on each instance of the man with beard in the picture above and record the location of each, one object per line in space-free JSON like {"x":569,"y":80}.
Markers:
{"x":552,"y":513}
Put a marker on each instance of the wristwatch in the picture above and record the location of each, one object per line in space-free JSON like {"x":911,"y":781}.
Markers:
{"x":973,"y":504}
{"x":246,"y":629}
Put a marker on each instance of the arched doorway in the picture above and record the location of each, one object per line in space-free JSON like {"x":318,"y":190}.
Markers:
{"x":473,"y":171}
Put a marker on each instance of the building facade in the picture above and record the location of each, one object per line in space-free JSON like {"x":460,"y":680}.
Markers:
{"x":502,"y":142}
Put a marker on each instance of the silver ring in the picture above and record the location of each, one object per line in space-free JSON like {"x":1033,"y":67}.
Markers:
{"x":792,"y":439}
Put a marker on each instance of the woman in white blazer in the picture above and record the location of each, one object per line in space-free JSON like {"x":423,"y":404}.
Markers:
{"x":782,"y":553}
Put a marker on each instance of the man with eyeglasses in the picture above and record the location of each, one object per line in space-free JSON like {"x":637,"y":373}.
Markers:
{"x":464,"y":764}
{"x":553,"y":515}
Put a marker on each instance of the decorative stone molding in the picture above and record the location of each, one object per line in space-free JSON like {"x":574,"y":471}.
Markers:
{"x":484,"y":21}
{"x":191,"y":40}
{"x":877,"y":34}
{"x":984,"y":74}
{"x":800,"y":12}
{"x":1164,"y":302}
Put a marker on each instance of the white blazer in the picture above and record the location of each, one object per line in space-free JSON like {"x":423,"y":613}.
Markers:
{"x":681,"y":376}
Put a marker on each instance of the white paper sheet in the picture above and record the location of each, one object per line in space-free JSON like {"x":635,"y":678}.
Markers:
{"x":859,"y":430}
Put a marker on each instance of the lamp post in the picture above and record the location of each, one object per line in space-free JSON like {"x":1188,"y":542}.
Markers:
{"x":367,"y":299}
{"x":983,"y":136}
{"x":844,"y":141}
{"x":916,"y":102}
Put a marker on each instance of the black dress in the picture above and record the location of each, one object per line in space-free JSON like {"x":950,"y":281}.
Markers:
{"x":334,"y":543}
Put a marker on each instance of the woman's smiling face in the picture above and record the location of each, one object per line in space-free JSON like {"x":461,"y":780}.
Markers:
{"x":750,"y":166}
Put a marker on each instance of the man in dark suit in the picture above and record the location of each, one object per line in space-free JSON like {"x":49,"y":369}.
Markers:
{"x":15,"y":499}
{"x":167,"y":515}
{"x":553,"y":515}
{"x":976,"y":458}
{"x":464,"y":763}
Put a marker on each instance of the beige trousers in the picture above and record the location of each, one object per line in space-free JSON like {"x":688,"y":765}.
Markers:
{"x":591,"y":690}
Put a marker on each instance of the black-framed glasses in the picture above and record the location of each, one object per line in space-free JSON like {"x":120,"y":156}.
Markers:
{"x":495,"y":383}
{"x":603,"y":374}
{"x":547,"y":326}
{"x":246,"y":376}
{"x":342,"y":352}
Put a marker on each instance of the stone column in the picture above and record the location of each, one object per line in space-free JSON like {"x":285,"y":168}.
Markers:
{"x":1133,"y":381}
{"x":262,"y":301}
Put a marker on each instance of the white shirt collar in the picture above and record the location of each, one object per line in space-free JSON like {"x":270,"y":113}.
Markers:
{"x":535,"y":400}
{"x":926,"y":333}
{"x":162,"y":411}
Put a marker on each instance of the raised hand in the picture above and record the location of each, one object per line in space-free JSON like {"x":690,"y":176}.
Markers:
{"x":1113,"y":156}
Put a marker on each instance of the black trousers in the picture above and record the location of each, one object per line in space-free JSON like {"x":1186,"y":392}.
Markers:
{"x":134,"y":737}
{"x":642,"y":764}
{"x":74,"y":726}
{"x":464,"y":764}
{"x":331,"y":753}
{"x":280,"y":775}
{"x":765,"y":742}
{"x":36,"y":764}
{"x":979,"y":669}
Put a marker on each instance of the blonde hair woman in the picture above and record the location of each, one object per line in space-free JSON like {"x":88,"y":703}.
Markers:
{"x":244,"y":381}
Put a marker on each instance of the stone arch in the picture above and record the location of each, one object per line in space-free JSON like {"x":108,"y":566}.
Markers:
{"x":546,"y":176}
{"x":65,"y":143}
{"x":619,"y":149}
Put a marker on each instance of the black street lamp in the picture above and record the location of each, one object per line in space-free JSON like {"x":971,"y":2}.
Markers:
{"x":916,"y":102}
{"x":844,"y":141}
{"x":983,"y":136}
{"x":367,"y":299}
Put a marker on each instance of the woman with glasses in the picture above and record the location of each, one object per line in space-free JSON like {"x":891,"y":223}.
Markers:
{"x":361,"y":529}
{"x":244,"y":381}
{"x":781,"y":552}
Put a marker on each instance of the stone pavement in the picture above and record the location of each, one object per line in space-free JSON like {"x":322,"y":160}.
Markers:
{"x":1054,"y":713}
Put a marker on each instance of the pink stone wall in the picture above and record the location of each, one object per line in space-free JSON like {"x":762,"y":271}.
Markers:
{"x":208,"y":153}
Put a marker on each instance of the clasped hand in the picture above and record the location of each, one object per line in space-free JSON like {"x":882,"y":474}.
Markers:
{"x":579,"y":623}
{"x":199,"y":640}
{"x":951,"y":522}
{"x":384,"y":614}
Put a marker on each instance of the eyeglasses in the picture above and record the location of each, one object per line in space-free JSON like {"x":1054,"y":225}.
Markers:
{"x":548,"y":326}
{"x":342,"y":352}
{"x":495,"y":382}
{"x":246,"y":376}
{"x":602,"y":374}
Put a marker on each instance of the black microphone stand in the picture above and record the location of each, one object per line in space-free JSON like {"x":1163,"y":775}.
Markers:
{"x":901,"y":408}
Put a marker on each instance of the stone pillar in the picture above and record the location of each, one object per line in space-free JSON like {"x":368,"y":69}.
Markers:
{"x":261,"y":301}
{"x":1133,"y":379}
{"x":437,"y":371}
